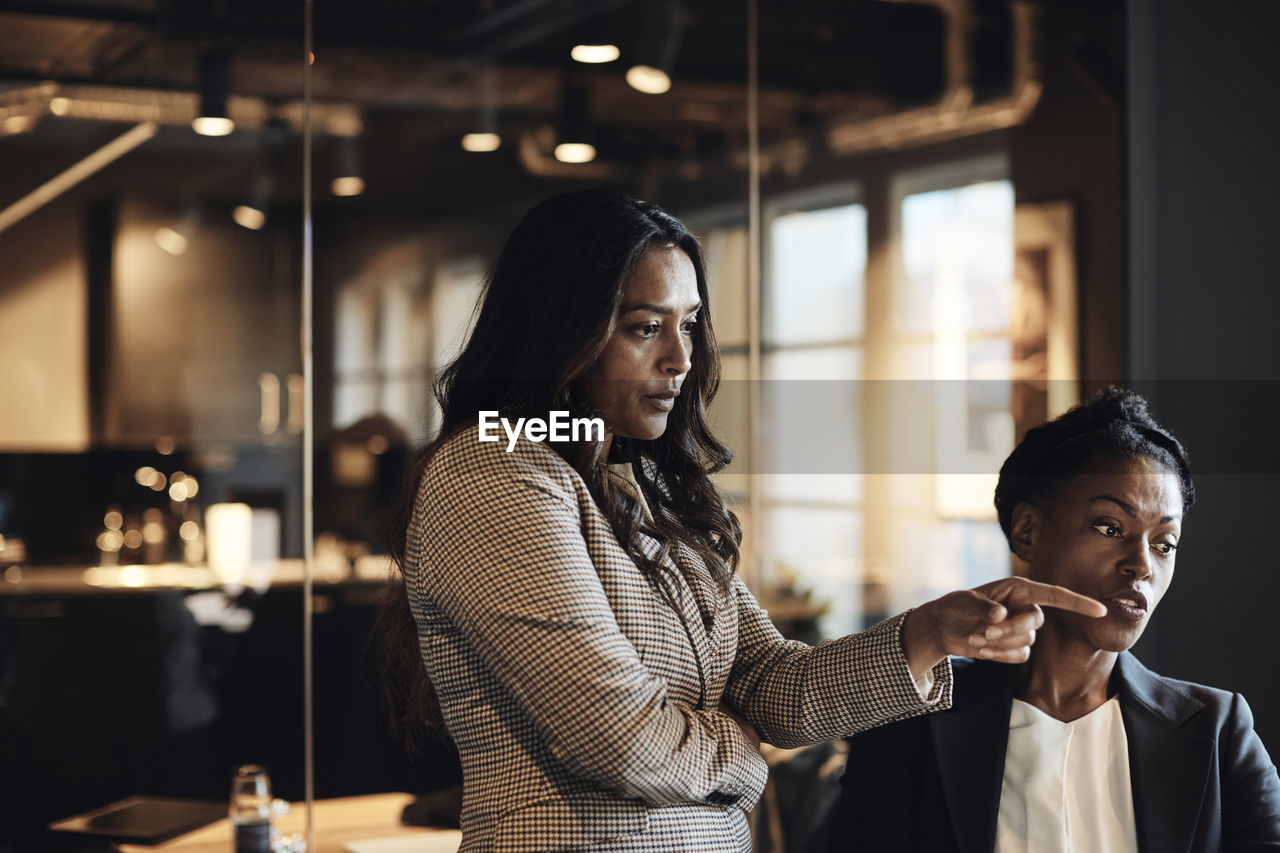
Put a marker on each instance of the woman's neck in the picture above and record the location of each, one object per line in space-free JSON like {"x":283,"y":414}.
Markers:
{"x":1065,"y":678}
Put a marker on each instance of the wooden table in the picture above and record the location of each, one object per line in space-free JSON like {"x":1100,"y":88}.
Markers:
{"x":337,"y":823}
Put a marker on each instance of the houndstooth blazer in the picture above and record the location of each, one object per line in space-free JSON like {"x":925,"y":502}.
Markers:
{"x":582,"y":704}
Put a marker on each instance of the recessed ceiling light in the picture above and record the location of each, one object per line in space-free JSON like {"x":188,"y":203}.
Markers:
{"x":481,"y":142}
{"x":647,"y":79}
{"x":212,"y":125}
{"x":575,"y":152}
{"x":249,"y":217}
{"x":594,"y":54}
{"x":347,"y":186}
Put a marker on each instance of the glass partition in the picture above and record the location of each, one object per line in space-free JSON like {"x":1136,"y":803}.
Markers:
{"x":866,"y":115}
{"x":505,"y":107}
{"x":150,"y":404}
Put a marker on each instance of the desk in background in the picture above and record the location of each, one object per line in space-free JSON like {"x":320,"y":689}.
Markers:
{"x":339,"y":824}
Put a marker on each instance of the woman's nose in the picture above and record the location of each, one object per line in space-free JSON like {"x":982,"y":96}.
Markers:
{"x":1137,"y":561}
{"x":677,"y":355}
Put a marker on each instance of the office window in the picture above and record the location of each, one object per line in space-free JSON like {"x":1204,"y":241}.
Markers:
{"x":884,"y":395}
{"x":949,"y":333}
{"x":812,"y":358}
{"x":393,"y":334}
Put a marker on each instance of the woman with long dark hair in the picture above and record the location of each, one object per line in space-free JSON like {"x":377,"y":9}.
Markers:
{"x":603,"y":672}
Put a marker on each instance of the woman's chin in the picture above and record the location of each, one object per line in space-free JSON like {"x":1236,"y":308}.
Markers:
{"x":1118,"y":640}
{"x":646,"y":428}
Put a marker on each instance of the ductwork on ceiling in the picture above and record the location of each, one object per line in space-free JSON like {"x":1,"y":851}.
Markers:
{"x":21,"y":108}
{"x":954,"y":115}
{"x":356,"y":81}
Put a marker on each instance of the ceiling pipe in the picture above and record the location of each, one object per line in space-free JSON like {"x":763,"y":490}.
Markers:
{"x":50,"y":190}
{"x":119,"y":104}
{"x":954,"y":115}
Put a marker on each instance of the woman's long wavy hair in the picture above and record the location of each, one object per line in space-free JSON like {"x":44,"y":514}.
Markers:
{"x":549,"y":307}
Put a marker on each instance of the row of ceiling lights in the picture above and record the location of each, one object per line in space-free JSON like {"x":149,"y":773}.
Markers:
{"x":213,"y":80}
{"x":253,"y":213}
{"x":213,"y":73}
{"x":572,"y":144}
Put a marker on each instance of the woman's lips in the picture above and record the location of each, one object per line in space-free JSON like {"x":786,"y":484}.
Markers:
{"x":1131,"y":606}
{"x":662,"y":402}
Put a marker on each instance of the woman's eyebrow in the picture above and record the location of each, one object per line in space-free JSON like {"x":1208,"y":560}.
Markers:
{"x":666,"y":310}
{"x":1129,"y":510}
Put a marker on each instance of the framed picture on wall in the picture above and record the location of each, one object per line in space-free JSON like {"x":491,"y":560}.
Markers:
{"x":1045,"y":325}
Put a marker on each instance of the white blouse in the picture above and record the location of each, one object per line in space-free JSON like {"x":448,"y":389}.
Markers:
{"x":1066,"y":785}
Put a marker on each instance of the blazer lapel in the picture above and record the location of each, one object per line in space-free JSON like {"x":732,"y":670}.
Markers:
{"x":706,"y":645}
{"x":701,"y":605}
{"x":970,"y":741}
{"x":690,"y":602}
{"x":1169,"y":766}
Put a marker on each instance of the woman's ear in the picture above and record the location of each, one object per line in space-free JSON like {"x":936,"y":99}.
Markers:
{"x":1024,"y":529}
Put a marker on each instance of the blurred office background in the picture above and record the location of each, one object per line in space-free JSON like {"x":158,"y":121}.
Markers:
{"x":972,"y":214}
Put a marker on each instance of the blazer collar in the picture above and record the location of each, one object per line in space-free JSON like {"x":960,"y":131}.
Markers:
{"x":1137,"y":684}
{"x":969,"y":742}
{"x":1169,"y":763}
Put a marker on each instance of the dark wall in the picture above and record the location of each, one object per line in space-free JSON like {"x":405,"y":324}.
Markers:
{"x":1072,"y":148}
{"x":1204,"y":201}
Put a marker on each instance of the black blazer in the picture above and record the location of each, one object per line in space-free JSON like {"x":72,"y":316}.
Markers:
{"x":1202,"y":780}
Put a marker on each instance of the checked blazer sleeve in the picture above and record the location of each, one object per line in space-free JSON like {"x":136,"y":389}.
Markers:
{"x":503,"y":553}
{"x":795,"y":694}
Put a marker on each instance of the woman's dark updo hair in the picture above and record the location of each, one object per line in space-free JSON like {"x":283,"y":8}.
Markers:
{"x":1115,"y":424}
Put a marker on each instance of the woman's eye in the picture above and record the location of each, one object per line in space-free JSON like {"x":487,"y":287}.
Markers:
{"x":646,"y":330}
{"x":1107,"y":528}
{"x":690,"y":325}
{"x":1164,"y":548}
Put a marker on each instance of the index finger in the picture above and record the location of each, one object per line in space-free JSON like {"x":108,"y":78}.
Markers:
{"x":1062,"y":598}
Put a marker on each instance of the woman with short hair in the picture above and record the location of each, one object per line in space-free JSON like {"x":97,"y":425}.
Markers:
{"x":1080,"y":748}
